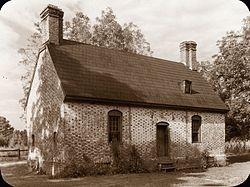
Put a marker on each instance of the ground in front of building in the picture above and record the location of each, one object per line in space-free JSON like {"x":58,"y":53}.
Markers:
{"x":18,"y":175}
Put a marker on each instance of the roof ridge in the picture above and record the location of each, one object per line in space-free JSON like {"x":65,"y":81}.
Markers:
{"x":122,"y":51}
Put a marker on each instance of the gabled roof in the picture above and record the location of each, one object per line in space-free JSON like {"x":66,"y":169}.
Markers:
{"x":98,"y":74}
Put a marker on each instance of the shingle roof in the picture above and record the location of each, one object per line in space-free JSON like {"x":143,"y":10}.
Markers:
{"x":94,"y":73}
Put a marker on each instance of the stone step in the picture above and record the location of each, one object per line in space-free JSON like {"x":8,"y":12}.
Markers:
{"x":166,"y":165}
{"x":168,"y":169}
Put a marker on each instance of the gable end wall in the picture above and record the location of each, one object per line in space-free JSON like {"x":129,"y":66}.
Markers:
{"x":43,"y":115}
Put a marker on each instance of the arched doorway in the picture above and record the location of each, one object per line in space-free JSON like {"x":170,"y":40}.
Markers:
{"x":162,"y":137}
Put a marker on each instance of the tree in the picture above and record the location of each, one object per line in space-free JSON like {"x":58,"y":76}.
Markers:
{"x":6,"y":131}
{"x":3,"y":141}
{"x":134,"y":40}
{"x":28,"y":60}
{"x":106,"y":32}
{"x":230,"y":77}
{"x":78,"y":29}
{"x":19,"y":138}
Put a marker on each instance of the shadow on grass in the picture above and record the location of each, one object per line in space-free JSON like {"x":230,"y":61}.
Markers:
{"x":238,"y":158}
{"x":217,"y":184}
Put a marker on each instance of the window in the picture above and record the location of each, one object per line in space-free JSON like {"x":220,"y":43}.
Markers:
{"x":54,"y":139}
{"x":32,"y":140}
{"x":186,"y":86}
{"x":196,"y":129}
{"x":114,"y":126}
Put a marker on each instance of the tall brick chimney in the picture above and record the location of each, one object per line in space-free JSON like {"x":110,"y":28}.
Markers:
{"x":188,"y":54}
{"x":52,"y":25}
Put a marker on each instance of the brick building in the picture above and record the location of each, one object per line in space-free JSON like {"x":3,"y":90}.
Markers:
{"x":84,"y":97}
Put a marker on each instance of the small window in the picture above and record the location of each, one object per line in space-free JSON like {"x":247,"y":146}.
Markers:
{"x":187,"y":87}
{"x":54,"y":139}
{"x":196,"y":129}
{"x":114,"y":126}
{"x":32,"y":140}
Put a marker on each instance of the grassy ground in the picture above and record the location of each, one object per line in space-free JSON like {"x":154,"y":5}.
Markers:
{"x":20,"y":176}
{"x":234,"y":174}
{"x":239,"y":158}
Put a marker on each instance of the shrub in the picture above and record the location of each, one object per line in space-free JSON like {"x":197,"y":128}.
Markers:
{"x":194,"y":158}
{"x":127,"y":159}
{"x":237,"y":146}
{"x":82,"y":167}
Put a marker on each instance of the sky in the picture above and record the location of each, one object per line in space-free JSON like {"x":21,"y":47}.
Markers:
{"x":165,"y":23}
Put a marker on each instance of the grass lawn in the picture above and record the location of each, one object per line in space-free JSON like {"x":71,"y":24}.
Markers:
{"x":234,"y":174}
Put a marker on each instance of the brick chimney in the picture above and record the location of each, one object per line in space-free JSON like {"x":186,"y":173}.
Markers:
{"x":188,"y":54}
{"x":52,"y":25}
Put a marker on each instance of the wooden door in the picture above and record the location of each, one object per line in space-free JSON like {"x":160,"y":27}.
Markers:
{"x":162,"y":140}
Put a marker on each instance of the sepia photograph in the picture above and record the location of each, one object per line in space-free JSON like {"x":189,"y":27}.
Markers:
{"x":128,"y":93}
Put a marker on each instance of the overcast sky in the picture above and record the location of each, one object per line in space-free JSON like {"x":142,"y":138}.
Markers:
{"x":165,"y":24}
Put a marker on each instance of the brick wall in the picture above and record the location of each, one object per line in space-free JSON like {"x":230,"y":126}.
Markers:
{"x":87,"y":130}
{"x":43,"y":115}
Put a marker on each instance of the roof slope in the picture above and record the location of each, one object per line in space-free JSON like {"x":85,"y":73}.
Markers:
{"x":90,"y":72}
